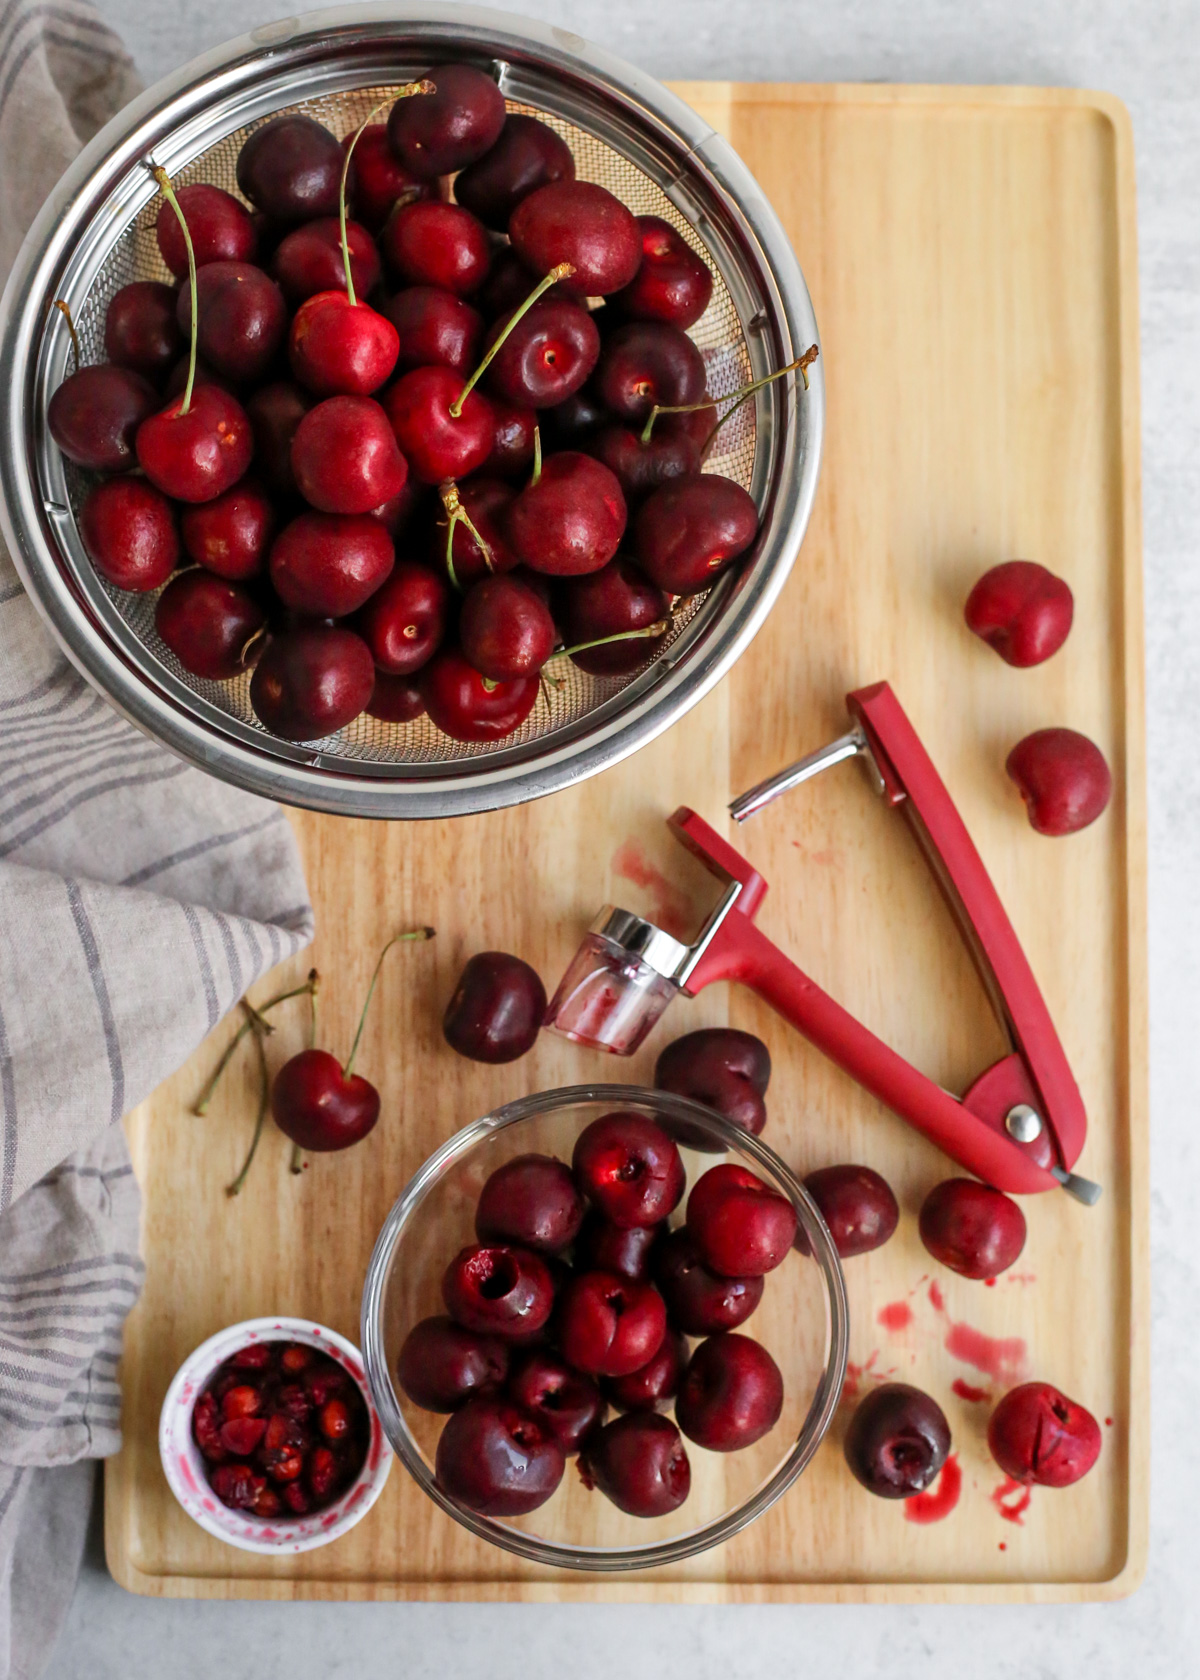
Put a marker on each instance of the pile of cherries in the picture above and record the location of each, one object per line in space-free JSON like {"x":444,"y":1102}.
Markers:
{"x":578,"y":1296}
{"x":407,"y":504}
{"x":283,"y":1429}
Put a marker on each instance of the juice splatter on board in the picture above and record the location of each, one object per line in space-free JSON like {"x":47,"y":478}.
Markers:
{"x":939,"y":1500}
{"x":895,"y":1316}
{"x":1012,"y":1509}
{"x":671,"y":909}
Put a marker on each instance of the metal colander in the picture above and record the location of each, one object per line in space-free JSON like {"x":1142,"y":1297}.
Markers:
{"x":627,"y":133}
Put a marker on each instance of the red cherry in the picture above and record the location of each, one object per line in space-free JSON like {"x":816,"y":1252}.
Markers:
{"x":629,"y":1168}
{"x":653,"y":1384}
{"x":610,"y":602}
{"x":648,"y":364}
{"x":312,"y":681}
{"x":396,"y":699}
{"x":396,"y":514}
{"x":242,"y":1435}
{"x":509,"y":283}
{"x":309,"y":259}
{"x":857,"y":1205}
{"x":242,"y":320}
{"x":380,"y":179}
{"x":498,"y":1289}
{"x":231,"y":534}
{"x":674,"y":282}
{"x":237,"y":1486}
{"x":569,"y":1407}
{"x":314,"y":1104}
{"x":721,"y":1067}
{"x":639,"y":1462}
{"x":546,"y":356}
{"x":441,"y":1364}
{"x":691,"y":529}
{"x":1063,"y":777}
{"x":742,"y":1227}
{"x":486,"y":502}
{"x":219,"y":224}
{"x":731,"y":1394}
{"x":512,"y":446}
{"x":337,"y":347}
{"x":528,"y":155}
{"x":1022,"y":610}
{"x":207,"y":623}
{"x":274,"y":412}
{"x":435,"y":328}
{"x":531,"y":1200}
{"x":195,"y":456}
{"x":404,"y":621}
{"x":571,"y":520}
{"x":327,"y":565}
{"x":140,"y":329}
{"x":583,"y":224}
{"x":468,"y":707}
{"x":436,"y":244}
{"x":94,"y":416}
{"x":1037,"y":1435}
{"x":129,"y":531}
{"x":344,"y":456}
{"x":496,"y":1010}
{"x":505,"y":628}
{"x":699,"y":1302}
{"x":609,"y":1326}
{"x":975,"y":1230}
{"x":291,"y":168}
{"x":602,"y":1247}
{"x":641,"y":467}
{"x":436,"y":443}
{"x":897,"y":1441}
{"x":439,"y":133}
{"x":495,"y":1458}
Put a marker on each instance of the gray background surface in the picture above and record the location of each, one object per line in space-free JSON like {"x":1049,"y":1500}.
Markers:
{"x":1149,"y":54}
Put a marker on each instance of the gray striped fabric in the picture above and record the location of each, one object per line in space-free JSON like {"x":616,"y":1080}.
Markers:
{"x":138,"y":901}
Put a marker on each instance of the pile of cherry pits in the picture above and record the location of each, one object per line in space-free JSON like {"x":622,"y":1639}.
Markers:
{"x":411,"y":504}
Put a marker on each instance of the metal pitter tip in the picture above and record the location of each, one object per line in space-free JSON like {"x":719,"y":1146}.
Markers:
{"x":1083,"y":1189}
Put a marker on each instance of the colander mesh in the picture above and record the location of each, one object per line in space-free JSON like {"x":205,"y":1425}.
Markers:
{"x":571,"y":694}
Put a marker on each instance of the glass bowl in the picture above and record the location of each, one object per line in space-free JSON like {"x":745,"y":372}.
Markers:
{"x":802,"y":1320}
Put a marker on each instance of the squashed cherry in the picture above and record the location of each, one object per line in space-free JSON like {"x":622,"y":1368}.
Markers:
{"x":627,"y":1250}
{"x":723,"y":1068}
{"x":741,"y":1226}
{"x":498,"y":1289}
{"x":609,"y":1326}
{"x":531,"y":1200}
{"x":567,"y":1405}
{"x":699,"y":1302}
{"x":858,"y":1206}
{"x":629,"y":1168}
{"x":1036,"y":1434}
{"x":654,"y":1384}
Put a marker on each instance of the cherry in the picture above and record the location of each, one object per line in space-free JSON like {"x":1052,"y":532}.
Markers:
{"x":178,"y":377}
{"x":1037,"y":1435}
{"x":237,"y":1486}
{"x":496,"y":1459}
{"x":1063,"y":777}
{"x":573,"y":423}
{"x":673,"y":284}
{"x":897,"y":1441}
{"x":496,"y":1010}
{"x":230,"y":535}
{"x":242,"y":319}
{"x":1022,"y":610}
{"x":395,"y":515}
{"x":655,"y":1384}
{"x":396,"y":699}
{"x":646,"y":365}
{"x":547,"y":353}
{"x":629,"y":1168}
{"x":531,"y":1200}
{"x":469,"y":707}
{"x":435,"y":329}
{"x":436,"y":244}
{"x":340,"y":346}
{"x":571,"y":520}
{"x":582,"y":224}
{"x":570,"y":1408}
{"x":973,"y":1229}
{"x":344,"y":457}
{"x":701,"y":426}
{"x":628,"y":1251}
{"x":475,"y":530}
{"x":641,"y":467}
{"x":437,"y":443}
{"x":310,"y":260}
{"x":639,"y":1462}
{"x":441,"y":1364}
{"x":505,"y":628}
{"x":404,"y":621}
{"x":327,"y":565}
{"x":513,"y":443}
{"x":291,"y":168}
{"x":274,"y":412}
{"x":609,"y":1326}
{"x":857,"y":1205}
{"x":195,"y":450}
{"x":95,"y":413}
{"x":731,"y":1394}
{"x":742,"y":1226}
{"x":698,"y":1301}
{"x":220,"y":226}
{"x":507,"y":284}
{"x":140,"y":329}
{"x":499,"y":1289}
{"x":691,"y":529}
{"x":446,"y":130}
{"x":380,"y":180}
{"x":312,"y":681}
{"x":527,"y":155}
{"x":723,"y":1068}
{"x":129,"y":531}
{"x":208,"y":623}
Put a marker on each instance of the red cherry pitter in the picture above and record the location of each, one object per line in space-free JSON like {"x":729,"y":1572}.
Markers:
{"x":1020,"y":1126}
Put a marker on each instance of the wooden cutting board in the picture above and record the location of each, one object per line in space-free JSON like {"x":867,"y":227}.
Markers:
{"x":971,"y":254}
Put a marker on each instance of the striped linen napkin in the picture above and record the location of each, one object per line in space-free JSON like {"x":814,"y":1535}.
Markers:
{"x":138,"y":901}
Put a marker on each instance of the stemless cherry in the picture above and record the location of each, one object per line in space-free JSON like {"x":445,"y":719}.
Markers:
{"x":219,"y":224}
{"x":723,"y":1068}
{"x":469,"y":707}
{"x":310,"y":260}
{"x":404,"y":621}
{"x":140,"y":329}
{"x":641,"y":467}
{"x":691,"y":529}
{"x":231,"y":534}
{"x":629,"y":1168}
{"x":897,"y":1441}
{"x":435,"y":244}
{"x":500,"y":1289}
{"x":574,"y":422}
{"x":648,"y":364}
{"x":344,"y":456}
{"x":274,"y":412}
{"x":513,"y":443}
{"x":507,"y":284}
{"x":546,"y":356}
{"x":441,"y":132}
{"x":1063,"y":778}
{"x":858,"y":1206}
{"x":731,"y":1394}
{"x":312,"y":681}
{"x":609,"y":1326}
{"x":242,"y":320}
{"x":381,"y":180}
{"x":485,"y":502}
{"x":291,"y":168}
{"x":437,"y":443}
{"x":673,"y":284}
{"x":1022,"y":610}
{"x":1036,"y":1434}
{"x":327,"y":565}
{"x":441,"y":1364}
{"x":582,"y":224}
{"x":742,"y":1226}
{"x":628,"y":1251}
{"x":568,"y":1406}
{"x":435,"y":329}
{"x":699,"y":1302}
{"x":572,"y":520}
{"x":208,"y":622}
{"x":395,"y":699}
{"x":639,"y":1462}
{"x":195,"y":453}
{"x":531,"y":1200}
{"x":653,"y":1384}
{"x":505,"y":628}
{"x":527,"y":155}
{"x":496,"y":1459}
{"x":129,"y":531}
{"x":496,"y":1009}
{"x":975,"y":1230}
{"x":95,"y":413}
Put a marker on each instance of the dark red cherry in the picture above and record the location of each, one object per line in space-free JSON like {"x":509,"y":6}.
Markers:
{"x":396,"y":514}
{"x":723,"y":1068}
{"x":857,"y":1205}
{"x":231,"y":534}
{"x":700,"y":1302}
{"x":1036,"y":1434}
{"x":653,"y":1384}
{"x":583,"y":224}
{"x":609,"y":1326}
{"x":572,"y":520}
{"x":327,"y":565}
{"x":496,"y":1009}
{"x":486,"y":501}
{"x":440,"y":133}
{"x":309,"y":259}
{"x":314,"y":1104}
{"x":509,"y":283}
{"x":610,"y":602}
{"x":573,"y":421}
{"x":436,"y":329}
{"x":467,"y":706}
{"x":629,"y":1168}
{"x":569,"y":1407}
{"x":546,"y":356}
{"x":291,"y":168}
{"x":436,"y":443}
{"x":699,"y":424}
{"x":95,"y":413}
{"x":380,"y":179}
{"x":209,"y":624}
{"x":674,"y":282}
{"x":642,"y":467}
{"x":531,"y":1200}
{"x":344,"y":456}
{"x":512,"y":447}
{"x":243,"y":319}
{"x":220,"y":227}
{"x":275,"y":411}
{"x":897,"y":1441}
{"x":195,"y":456}
{"x":648,"y":364}
{"x":337,"y":347}
{"x":500,"y":1289}
{"x":639,"y":1462}
{"x":404,"y":621}
{"x":441,"y":1364}
{"x":129,"y":531}
{"x":731,"y":1394}
{"x":495,"y":1458}
{"x":975,"y":1230}
{"x":396,"y":699}
{"x":140,"y":329}
{"x":528,"y":155}
{"x":691,"y":529}
{"x":505,"y":628}
{"x":312,"y":681}
{"x":177,"y":379}
{"x":604,"y":1247}
{"x":436,"y":244}
{"x":742,"y":1227}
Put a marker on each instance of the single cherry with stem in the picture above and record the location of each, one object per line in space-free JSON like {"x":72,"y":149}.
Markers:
{"x":609,"y":615}
{"x":475,"y":542}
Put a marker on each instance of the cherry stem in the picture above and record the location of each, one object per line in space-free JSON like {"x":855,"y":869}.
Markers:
{"x":459,"y":515}
{"x":256,"y":1015}
{"x":659,"y":628}
{"x":800,"y":365}
{"x":561,"y":271}
{"x":59,"y":304}
{"x":254,"y":1023}
{"x":313,"y":982}
{"x":537,"y":455}
{"x":296,"y":1163}
{"x":168,"y":192}
{"x":397,"y":939}
{"x":406,"y":92}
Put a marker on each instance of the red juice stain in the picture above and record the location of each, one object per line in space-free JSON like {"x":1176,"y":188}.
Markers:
{"x":856,"y":1375}
{"x":968,"y":1391}
{"x":1108,"y":1422}
{"x":1012,"y":1510}
{"x":1004,"y":1545}
{"x":672,"y":909}
{"x":940,"y":1499}
{"x":895,"y":1316}
{"x":1021,"y":1277}
{"x":936,"y":1299}
{"x":989,"y":1283}
{"x":1003,"y":1358}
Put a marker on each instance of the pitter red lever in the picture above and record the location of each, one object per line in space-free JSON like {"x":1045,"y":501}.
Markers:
{"x":1020,"y":1126}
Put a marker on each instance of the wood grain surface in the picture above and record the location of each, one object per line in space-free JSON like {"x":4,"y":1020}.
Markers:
{"x":971,"y":254}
